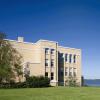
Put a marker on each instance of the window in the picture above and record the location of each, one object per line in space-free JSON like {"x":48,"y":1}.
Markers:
{"x":52,"y":76}
{"x":61,"y":69}
{"x":46,"y":62}
{"x":46,"y":74}
{"x":74,"y":58}
{"x":62,"y":73}
{"x":52,"y":51}
{"x":61,"y":55}
{"x":66,"y":71}
{"x":70,"y":71}
{"x":46,"y":50}
{"x":66,"y":57}
{"x":52,"y":62}
{"x":75,"y":72}
{"x":70,"y":58}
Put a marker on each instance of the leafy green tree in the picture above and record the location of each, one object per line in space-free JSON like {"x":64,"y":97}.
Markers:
{"x":10,"y":61}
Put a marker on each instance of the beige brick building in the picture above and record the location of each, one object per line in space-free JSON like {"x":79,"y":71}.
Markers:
{"x":47,"y":58}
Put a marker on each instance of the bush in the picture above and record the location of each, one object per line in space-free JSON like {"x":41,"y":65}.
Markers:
{"x":31,"y":82}
{"x":13,"y":85}
{"x":38,"y":81}
{"x":72,"y":82}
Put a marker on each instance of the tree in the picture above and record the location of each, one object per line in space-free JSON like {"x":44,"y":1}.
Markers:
{"x":27,"y":71}
{"x":10,"y":61}
{"x":71,"y":81}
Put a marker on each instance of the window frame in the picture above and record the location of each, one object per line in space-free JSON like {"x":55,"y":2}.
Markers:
{"x":74,"y":59}
{"x":66,"y":71}
{"x":70,"y":58}
{"x":46,"y":62}
{"x":52,"y":75}
{"x":52,"y":62}
{"x":46,"y":73}
{"x":52,"y":51}
{"x":46,"y":50}
{"x":66,"y":57}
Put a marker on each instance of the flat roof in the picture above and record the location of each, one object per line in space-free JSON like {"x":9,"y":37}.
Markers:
{"x":42,"y":40}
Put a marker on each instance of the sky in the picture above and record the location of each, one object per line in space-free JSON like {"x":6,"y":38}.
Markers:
{"x":72,"y":23}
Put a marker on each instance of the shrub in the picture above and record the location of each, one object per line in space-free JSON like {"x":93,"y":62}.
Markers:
{"x":39,"y":81}
{"x":31,"y":82}
{"x":72,"y":82}
{"x":13,"y":85}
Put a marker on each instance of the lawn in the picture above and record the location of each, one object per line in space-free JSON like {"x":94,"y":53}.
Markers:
{"x":53,"y":93}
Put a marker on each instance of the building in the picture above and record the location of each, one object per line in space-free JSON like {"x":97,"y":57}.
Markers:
{"x":47,"y":58}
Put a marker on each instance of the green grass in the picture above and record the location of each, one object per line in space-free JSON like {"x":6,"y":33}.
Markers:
{"x":53,"y":93}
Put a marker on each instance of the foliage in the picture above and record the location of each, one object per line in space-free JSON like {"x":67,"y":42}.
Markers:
{"x":27,"y":71}
{"x":32,"y":82}
{"x":13,"y":85}
{"x":71,"y":81}
{"x":10,"y":61}
{"x":38,"y":81}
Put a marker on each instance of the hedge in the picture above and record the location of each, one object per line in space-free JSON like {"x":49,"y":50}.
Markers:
{"x":31,"y":82}
{"x":38,"y":81}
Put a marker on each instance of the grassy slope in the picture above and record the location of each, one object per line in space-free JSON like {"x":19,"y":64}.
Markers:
{"x":55,"y":93}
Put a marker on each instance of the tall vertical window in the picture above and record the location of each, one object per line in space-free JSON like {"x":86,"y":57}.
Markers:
{"x":70,"y":71}
{"x":61,"y":55}
{"x":75,"y":72}
{"x":46,"y":50}
{"x":52,"y":51}
{"x":52,"y":62}
{"x":66,"y":57}
{"x":52,"y":76}
{"x":70,"y":58}
{"x":74,"y":58}
{"x":46,"y":62}
{"x":46,"y":74}
{"x":62,"y":71}
{"x":66,"y":71}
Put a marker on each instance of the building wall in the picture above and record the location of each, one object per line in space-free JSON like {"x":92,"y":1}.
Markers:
{"x":49,"y":56}
{"x":35,"y":55}
{"x":71,"y":65}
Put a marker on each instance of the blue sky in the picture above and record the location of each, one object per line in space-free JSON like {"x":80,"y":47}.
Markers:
{"x":73,"y":23}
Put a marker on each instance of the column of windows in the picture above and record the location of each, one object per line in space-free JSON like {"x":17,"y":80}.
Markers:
{"x":47,"y":63}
